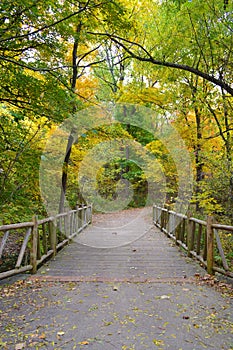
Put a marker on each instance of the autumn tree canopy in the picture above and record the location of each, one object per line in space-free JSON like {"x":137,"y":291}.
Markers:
{"x":175,"y":57}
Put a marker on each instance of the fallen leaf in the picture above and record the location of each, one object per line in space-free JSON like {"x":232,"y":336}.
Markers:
{"x":20,"y":346}
{"x":60,"y":333}
{"x":186,"y":317}
{"x":84,"y":342}
{"x":42,"y":336}
{"x":164,"y":297}
{"x":158,"y":342}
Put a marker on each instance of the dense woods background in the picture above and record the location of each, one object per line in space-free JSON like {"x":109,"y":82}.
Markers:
{"x":60,"y":57}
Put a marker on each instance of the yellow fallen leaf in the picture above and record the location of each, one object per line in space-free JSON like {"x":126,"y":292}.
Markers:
{"x":60,"y":333}
{"x":158,"y":342}
{"x":84,"y":342}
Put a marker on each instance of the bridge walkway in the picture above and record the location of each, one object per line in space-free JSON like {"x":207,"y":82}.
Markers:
{"x":121,"y":246}
{"x":123,"y":285}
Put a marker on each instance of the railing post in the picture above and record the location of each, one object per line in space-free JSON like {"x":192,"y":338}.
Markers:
{"x":190,"y":235}
{"x":172,"y":222}
{"x":66,"y":225}
{"x":90,"y":211}
{"x":169,"y":221}
{"x":83,"y":216}
{"x":210,"y":245}
{"x":34,"y":244}
{"x":38,"y":246}
{"x":71,"y":218}
{"x":44,"y":240}
{"x":79,"y":217}
{"x":75,"y":220}
{"x":166,"y":217}
{"x":178,"y":230}
{"x":53,"y":236}
{"x":160,"y":213}
{"x":163,"y":219}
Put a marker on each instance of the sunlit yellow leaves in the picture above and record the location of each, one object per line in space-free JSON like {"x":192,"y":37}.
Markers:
{"x":36,"y":75}
{"x":128,"y":347}
{"x":143,"y":96}
{"x":86,"y":87}
{"x":157,"y":148}
{"x":158,"y":342}
{"x":83,"y":49}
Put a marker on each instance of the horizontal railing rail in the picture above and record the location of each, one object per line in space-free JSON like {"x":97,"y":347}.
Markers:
{"x":201,"y":239}
{"x":41,"y":239}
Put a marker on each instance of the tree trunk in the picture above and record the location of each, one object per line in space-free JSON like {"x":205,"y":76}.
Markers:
{"x":65,"y":173}
{"x":198,"y":162}
{"x":71,"y":136}
{"x":228,"y":145}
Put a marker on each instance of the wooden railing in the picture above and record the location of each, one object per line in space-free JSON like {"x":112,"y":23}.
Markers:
{"x":199,"y":238}
{"x":41,"y":239}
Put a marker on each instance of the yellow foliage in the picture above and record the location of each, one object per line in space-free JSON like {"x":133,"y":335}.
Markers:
{"x":82,"y":50}
{"x":36,"y":75}
{"x":140,"y":96}
{"x":87,"y":87}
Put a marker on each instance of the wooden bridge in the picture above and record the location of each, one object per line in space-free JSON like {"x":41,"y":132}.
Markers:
{"x":128,"y":245}
{"x":121,"y":283}
{"x":122,"y":247}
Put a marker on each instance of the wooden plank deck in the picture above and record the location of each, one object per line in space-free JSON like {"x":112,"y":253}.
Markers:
{"x":139,"y":295}
{"x":126,"y":247}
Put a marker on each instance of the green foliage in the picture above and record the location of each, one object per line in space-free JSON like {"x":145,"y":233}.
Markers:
{"x":35,"y":94}
{"x":227,"y":245}
{"x":123,"y":169}
{"x":158,"y":149}
{"x":208,"y":204}
{"x":216,"y":189}
{"x":20,"y":149}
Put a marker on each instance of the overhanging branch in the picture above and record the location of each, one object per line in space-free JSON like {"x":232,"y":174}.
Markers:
{"x":150,"y":59}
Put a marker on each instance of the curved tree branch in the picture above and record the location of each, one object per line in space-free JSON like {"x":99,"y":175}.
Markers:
{"x":150,"y":59}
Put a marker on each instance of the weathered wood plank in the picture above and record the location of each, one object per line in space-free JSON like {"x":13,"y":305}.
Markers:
{"x":3,"y":242}
{"x":210,"y":245}
{"x":15,"y":271}
{"x":223,"y":227}
{"x":23,"y":247}
{"x":150,"y":255}
{"x":33,"y":256}
{"x":220,"y":249}
{"x":16,"y":226}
